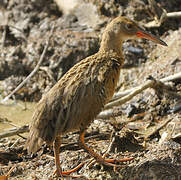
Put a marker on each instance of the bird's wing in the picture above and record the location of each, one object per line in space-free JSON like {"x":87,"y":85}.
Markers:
{"x":74,"y":101}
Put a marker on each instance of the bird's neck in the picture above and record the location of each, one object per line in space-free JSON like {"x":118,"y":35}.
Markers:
{"x":111,"y":44}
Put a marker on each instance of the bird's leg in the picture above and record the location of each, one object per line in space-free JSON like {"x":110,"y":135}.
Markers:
{"x":58,"y":171}
{"x":108,"y":162}
{"x":56,"y":148}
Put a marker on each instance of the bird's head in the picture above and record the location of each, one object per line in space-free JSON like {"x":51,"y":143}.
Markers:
{"x":122,"y":28}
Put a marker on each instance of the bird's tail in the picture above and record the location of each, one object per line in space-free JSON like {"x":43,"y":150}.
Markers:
{"x":34,"y":142}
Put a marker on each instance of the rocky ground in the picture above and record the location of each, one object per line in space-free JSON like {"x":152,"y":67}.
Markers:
{"x":24,"y":28}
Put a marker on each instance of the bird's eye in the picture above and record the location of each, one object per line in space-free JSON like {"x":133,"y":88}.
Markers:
{"x":129,"y":26}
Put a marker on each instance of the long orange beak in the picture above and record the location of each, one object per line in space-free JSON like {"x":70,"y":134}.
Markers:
{"x":145,"y":35}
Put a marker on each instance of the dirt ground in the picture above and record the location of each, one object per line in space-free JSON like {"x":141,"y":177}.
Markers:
{"x":155,"y":145}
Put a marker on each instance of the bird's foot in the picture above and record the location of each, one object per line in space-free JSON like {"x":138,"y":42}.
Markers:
{"x":6,"y":177}
{"x":100,"y":159}
{"x":118,"y":160}
{"x":61,"y":173}
{"x":109,"y":162}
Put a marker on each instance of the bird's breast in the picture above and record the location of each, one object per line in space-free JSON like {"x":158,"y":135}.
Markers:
{"x":109,"y":77}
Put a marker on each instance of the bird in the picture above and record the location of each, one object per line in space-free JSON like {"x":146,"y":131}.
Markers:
{"x":80,"y":95}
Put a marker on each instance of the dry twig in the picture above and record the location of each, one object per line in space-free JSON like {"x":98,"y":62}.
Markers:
{"x":157,"y":128}
{"x":15,"y":131}
{"x":8,"y":174}
{"x":174,"y":14}
{"x":4,"y":36}
{"x":33,"y":72}
{"x":122,"y":97}
{"x":160,"y":14}
{"x":137,"y":90}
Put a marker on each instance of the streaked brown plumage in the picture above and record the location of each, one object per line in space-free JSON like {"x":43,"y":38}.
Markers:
{"x":78,"y":97}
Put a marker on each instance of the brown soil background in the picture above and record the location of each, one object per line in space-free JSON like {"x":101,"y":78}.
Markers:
{"x":27,"y":24}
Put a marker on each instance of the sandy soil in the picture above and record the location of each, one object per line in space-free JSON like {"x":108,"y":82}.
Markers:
{"x":25,"y":26}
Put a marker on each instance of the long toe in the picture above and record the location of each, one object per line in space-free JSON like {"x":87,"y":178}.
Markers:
{"x":60,"y":173}
{"x":110,"y":162}
{"x":118,"y":160}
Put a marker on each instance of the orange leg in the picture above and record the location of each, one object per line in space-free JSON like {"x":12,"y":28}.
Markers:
{"x":58,"y":171}
{"x":108,"y":162}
